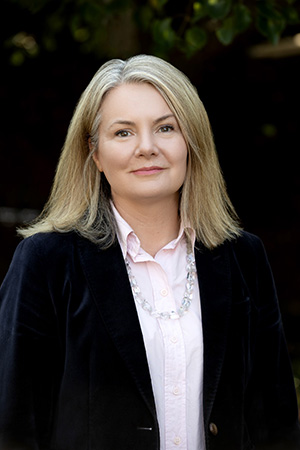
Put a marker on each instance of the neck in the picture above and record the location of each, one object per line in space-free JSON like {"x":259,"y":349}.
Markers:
{"x":154,"y":224}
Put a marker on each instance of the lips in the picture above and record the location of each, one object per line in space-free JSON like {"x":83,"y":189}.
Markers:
{"x":148,"y":170}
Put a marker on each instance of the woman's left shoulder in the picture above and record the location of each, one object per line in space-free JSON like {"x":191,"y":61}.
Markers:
{"x":248,"y":245}
{"x":247,"y":240}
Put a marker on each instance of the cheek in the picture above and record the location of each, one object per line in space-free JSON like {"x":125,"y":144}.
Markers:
{"x":183,"y":157}
{"x":113,"y":164}
{"x":183,"y":164}
{"x":104,"y":160}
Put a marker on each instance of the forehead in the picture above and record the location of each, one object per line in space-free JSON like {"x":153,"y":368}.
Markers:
{"x":133,"y":98}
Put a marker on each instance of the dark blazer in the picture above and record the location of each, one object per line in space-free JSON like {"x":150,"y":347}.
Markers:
{"x":73,"y":367}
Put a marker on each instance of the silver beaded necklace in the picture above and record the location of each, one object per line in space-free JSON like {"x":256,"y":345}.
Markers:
{"x":187,"y":297}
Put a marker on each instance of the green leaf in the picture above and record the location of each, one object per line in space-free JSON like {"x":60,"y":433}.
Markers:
{"x":218,"y":9}
{"x":234,"y":24}
{"x":291,"y":15}
{"x":81,"y":34}
{"x":226,"y":33}
{"x":269,"y":130}
{"x":195,"y":39}
{"x":49,"y":43}
{"x":158,"y":4}
{"x":163,"y":34}
{"x":89,"y":11}
{"x":55,"y":22}
{"x":144,"y":17}
{"x":242,"y":18}
{"x":17,"y":58}
{"x":266,"y":8}
{"x":75,"y":23}
{"x":198,"y":12}
{"x":270,"y":22}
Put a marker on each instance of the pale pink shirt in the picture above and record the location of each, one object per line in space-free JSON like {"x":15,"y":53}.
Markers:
{"x":174,"y":348}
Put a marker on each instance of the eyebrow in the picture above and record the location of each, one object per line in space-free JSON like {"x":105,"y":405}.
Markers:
{"x":129,"y":122}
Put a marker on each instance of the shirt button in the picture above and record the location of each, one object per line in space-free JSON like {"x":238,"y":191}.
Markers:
{"x":174,"y":339}
{"x":213,"y":429}
{"x":176,"y":390}
{"x":164,"y":292}
{"x":177,"y":440}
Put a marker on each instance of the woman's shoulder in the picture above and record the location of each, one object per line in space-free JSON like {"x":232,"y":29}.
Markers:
{"x":47,"y":245}
{"x":48,"y":239}
{"x":43,"y":255}
{"x":250,"y":248}
{"x":247,"y":240}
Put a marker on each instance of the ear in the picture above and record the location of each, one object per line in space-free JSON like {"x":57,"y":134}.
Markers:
{"x":95,"y":155}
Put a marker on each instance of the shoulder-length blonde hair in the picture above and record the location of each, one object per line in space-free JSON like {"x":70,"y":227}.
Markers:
{"x":80,"y":197}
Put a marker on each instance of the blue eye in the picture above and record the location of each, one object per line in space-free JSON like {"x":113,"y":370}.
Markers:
{"x":166,"y":128}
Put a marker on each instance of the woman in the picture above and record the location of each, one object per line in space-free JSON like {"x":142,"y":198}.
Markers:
{"x":136,"y":314}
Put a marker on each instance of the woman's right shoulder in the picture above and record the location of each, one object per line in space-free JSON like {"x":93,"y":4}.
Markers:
{"x":48,"y":245}
{"x":43,"y":254}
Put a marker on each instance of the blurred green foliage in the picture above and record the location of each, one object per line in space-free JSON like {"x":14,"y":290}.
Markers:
{"x":110,"y":28}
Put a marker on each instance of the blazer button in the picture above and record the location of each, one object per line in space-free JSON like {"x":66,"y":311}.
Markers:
{"x":213,"y":429}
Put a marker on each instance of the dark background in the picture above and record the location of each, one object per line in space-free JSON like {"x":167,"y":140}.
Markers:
{"x":253,"y":105}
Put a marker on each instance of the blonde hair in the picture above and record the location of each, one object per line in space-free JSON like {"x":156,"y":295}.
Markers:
{"x":80,"y":197}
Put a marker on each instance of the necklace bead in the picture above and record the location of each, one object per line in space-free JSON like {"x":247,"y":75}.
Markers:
{"x":187,"y":297}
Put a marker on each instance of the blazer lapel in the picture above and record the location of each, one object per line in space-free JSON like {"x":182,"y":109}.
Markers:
{"x":107,"y":278}
{"x":214,"y":277}
{"x":106,"y":275}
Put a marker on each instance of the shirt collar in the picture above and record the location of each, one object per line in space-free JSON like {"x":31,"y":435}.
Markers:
{"x":130,"y":243}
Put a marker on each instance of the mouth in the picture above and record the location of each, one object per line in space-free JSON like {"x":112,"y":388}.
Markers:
{"x":148,"y":170}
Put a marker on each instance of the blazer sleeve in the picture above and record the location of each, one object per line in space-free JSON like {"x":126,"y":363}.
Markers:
{"x":271,"y":404}
{"x":29,"y":350}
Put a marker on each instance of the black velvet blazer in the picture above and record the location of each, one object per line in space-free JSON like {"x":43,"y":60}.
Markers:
{"x":73,"y":367}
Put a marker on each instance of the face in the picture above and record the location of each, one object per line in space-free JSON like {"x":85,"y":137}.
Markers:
{"x":141,"y":150}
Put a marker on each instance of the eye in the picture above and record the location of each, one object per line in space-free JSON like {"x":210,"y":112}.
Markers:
{"x":166,"y":129}
{"x":122,"y":133}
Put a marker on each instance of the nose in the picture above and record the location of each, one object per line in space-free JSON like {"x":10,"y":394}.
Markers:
{"x":146,"y":144}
